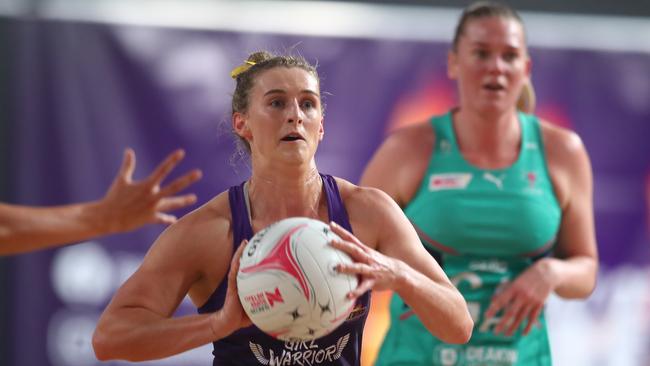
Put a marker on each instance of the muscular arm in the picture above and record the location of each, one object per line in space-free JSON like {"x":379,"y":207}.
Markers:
{"x":575,"y":266}
{"x":421,"y":282}
{"x":137,"y":325}
{"x":23,"y":229}
{"x":400,"y":263}
{"x":127,"y":205}
{"x":572,"y":272}
{"x":397,"y":169}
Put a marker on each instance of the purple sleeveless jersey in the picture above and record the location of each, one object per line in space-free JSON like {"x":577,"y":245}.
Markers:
{"x":250,"y":346}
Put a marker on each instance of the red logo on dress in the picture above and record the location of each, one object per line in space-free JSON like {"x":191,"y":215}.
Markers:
{"x":532,"y":177}
{"x":449,"y":181}
{"x":444,"y":182}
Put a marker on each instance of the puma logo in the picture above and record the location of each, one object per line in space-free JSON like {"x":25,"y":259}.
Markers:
{"x":498,"y":181}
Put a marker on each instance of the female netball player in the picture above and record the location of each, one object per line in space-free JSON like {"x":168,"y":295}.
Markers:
{"x":277,"y":113}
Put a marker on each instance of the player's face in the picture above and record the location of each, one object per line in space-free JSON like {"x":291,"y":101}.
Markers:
{"x":284,"y":118}
{"x":490,"y":64}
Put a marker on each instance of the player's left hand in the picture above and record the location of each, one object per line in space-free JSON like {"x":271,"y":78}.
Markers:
{"x":377,"y":271}
{"x":130,"y":204}
{"x":522,"y":299}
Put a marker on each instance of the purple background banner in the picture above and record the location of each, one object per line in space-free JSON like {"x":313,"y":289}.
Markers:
{"x":80,"y":93}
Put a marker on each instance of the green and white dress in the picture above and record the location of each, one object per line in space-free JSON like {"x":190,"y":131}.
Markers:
{"x":484,"y":227}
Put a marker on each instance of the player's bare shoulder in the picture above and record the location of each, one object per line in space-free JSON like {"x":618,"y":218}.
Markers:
{"x":358,"y":197}
{"x":210,"y":219}
{"x":567,"y":160}
{"x":563,"y":147}
{"x":417,"y":139}
{"x":561,"y":137}
{"x":368,"y":209}
{"x":199,"y":236}
{"x":406,"y":154}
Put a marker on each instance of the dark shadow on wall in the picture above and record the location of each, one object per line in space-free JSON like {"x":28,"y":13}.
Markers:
{"x":5,"y":117}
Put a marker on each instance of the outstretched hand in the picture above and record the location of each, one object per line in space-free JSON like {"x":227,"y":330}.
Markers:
{"x":377,"y":271}
{"x":130,"y":204}
{"x":522,"y":299}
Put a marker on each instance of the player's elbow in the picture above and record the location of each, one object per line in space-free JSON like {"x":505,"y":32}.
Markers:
{"x":461,"y":332}
{"x":465,"y":330}
{"x":580,"y":286}
{"x":590,"y":285}
{"x":459,"y":325}
{"x":579,"y":292}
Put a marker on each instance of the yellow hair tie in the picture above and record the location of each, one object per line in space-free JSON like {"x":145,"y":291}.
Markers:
{"x":241,"y":69}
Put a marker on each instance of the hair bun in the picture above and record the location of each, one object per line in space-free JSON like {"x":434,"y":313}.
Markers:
{"x":259,"y":56}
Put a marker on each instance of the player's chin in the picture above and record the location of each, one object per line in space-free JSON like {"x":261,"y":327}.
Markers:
{"x":499,"y":104}
{"x":297,"y":156}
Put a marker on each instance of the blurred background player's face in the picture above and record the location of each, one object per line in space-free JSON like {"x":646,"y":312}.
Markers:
{"x":284,"y":121}
{"x":490,"y":64}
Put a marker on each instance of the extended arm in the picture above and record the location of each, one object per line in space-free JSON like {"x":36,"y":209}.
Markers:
{"x":572,"y":272}
{"x":127,"y":205}
{"x":138,"y":325}
{"x":576,"y":264}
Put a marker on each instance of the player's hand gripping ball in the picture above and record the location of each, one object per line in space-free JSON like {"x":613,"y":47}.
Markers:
{"x":287,"y":280}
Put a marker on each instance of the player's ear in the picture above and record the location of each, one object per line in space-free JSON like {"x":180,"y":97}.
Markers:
{"x":321,"y":131}
{"x":240,"y":125}
{"x":452,"y":65}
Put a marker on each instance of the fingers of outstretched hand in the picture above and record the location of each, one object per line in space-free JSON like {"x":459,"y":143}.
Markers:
{"x":128,"y":165}
{"x":356,"y":268}
{"x":344,"y":234}
{"x":519,"y":319}
{"x":180,"y":183}
{"x":499,"y":301}
{"x":510,"y":312}
{"x":517,"y":306}
{"x":163,"y":169}
{"x":515,"y":315}
{"x":354,"y":251}
{"x":533,"y":318}
{"x":164,"y":218}
{"x":173,"y":203}
{"x":364,"y":286}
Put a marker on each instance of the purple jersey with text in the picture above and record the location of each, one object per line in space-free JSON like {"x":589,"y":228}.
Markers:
{"x":250,"y":346}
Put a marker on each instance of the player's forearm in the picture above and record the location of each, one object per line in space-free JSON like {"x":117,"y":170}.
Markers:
{"x":24,"y":229}
{"x":441,"y":309}
{"x":575,"y":277}
{"x":139,"y":335}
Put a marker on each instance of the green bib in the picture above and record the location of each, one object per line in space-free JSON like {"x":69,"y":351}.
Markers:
{"x":484,"y":227}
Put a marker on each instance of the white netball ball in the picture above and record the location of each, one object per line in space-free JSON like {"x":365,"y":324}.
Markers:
{"x":287,"y":282}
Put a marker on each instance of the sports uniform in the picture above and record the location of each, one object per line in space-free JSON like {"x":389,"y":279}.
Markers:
{"x":250,"y":346}
{"x":484,"y":227}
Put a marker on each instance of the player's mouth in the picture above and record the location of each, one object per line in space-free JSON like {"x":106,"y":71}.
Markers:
{"x":294,"y":136}
{"x":494,"y":87}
